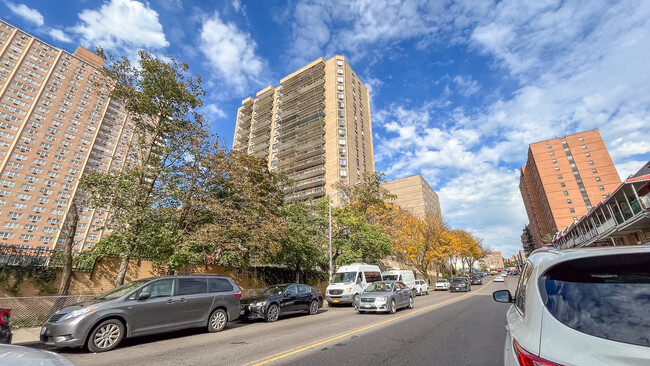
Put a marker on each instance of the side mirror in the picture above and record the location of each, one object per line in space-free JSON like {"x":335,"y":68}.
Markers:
{"x":144,"y":295}
{"x":288,"y":293}
{"x":503,"y":296}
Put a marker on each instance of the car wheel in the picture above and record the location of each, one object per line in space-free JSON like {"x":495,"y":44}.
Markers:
{"x":106,"y":336}
{"x":427,"y":292}
{"x":313,"y":307}
{"x":410,"y":302}
{"x":393,"y":307}
{"x":218,"y":320}
{"x":272,"y":313}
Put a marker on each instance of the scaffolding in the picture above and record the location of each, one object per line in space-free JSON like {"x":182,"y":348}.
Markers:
{"x":245,"y":118}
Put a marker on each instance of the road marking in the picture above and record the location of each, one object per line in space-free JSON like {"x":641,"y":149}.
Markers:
{"x":284,"y":354}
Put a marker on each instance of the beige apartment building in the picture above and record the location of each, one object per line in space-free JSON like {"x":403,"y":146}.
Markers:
{"x":563,"y":179}
{"x":315,"y":126}
{"x":493,"y":260}
{"x":54,"y":127}
{"x":415,"y":195}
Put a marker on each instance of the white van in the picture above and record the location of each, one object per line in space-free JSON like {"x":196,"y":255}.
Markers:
{"x":396,"y":274}
{"x":350,"y":281}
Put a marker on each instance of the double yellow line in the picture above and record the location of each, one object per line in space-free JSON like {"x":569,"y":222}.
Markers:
{"x":284,"y":354}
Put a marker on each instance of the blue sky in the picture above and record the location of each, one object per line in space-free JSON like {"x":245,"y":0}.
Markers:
{"x":458,"y":89}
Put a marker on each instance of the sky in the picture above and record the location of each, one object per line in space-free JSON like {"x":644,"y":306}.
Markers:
{"x":458,"y":89}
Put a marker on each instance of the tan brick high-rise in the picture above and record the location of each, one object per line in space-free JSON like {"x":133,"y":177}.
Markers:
{"x":54,"y":127}
{"x":563,"y":179}
{"x":415,"y":195}
{"x":315,"y":127}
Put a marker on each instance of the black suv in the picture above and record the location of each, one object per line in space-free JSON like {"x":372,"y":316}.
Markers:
{"x":476,"y":280}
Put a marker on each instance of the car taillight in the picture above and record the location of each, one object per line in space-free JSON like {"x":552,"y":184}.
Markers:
{"x":238,"y":295}
{"x":526,"y":358}
{"x":4,"y":316}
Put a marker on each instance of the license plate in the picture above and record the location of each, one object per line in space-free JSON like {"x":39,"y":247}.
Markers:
{"x":43,"y":330}
{"x":335,"y":300}
{"x":366,"y":305}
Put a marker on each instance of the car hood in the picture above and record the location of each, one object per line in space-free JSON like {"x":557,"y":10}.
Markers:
{"x":25,"y":356}
{"x":340,"y":285}
{"x":253,"y":299}
{"x":83,"y":304}
{"x":368,"y":295}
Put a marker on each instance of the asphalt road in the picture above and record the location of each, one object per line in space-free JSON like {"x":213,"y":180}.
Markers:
{"x":443,"y":329}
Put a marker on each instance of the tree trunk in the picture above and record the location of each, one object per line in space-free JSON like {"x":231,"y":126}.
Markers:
{"x":67,"y":250}
{"x":121,"y":273}
{"x":297,"y":274}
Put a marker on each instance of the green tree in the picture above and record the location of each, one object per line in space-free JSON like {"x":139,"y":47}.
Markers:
{"x":160,"y":99}
{"x":354,"y":239}
{"x":527,"y":241}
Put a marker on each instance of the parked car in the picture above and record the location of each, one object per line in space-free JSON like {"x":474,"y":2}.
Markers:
{"x":147,"y":306}
{"x":442,"y":284}
{"x":5,"y":330}
{"x":385,"y":296}
{"x":281,"y":299}
{"x":499,"y":279}
{"x":595,"y":300}
{"x":26,"y":356}
{"x":396,"y":274}
{"x":476,"y":280}
{"x":460,"y":284}
{"x":421,"y":287}
{"x":349,"y":282}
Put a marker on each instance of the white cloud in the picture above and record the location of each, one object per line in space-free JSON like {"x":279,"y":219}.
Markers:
{"x":123,"y":26}
{"x":31,"y":15}
{"x":58,"y":35}
{"x":467,"y":85}
{"x":213,"y":111}
{"x":231,"y":54}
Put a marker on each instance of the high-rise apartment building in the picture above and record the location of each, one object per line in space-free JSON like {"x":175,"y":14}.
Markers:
{"x":563,"y":179}
{"x":493,"y":260}
{"x":415,"y":195}
{"x":315,"y":127}
{"x":54,"y":127}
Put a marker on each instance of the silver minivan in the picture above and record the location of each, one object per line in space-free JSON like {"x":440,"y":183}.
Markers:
{"x":147,"y":306}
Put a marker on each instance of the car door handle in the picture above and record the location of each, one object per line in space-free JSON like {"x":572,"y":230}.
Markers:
{"x":507,"y":329}
{"x":182,"y":299}
{"x":170,"y":301}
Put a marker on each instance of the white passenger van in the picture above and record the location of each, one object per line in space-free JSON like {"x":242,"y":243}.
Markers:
{"x":396,"y":274}
{"x":350,"y":281}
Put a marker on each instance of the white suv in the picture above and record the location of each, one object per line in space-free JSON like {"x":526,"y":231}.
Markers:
{"x":421,"y":288}
{"x":580,"y":307}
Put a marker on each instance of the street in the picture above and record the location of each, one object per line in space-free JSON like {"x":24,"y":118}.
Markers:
{"x":443,"y":329}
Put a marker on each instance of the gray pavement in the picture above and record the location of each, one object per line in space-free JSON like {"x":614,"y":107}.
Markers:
{"x":443,"y":329}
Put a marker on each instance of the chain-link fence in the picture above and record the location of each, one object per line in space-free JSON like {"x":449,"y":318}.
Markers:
{"x":34,"y":311}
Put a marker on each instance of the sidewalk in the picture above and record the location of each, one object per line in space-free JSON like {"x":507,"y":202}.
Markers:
{"x":26,"y":335}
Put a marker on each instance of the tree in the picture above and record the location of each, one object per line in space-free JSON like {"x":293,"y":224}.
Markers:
{"x":160,"y":99}
{"x":547,"y":239}
{"x":527,"y":241}
{"x":304,"y":240}
{"x":70,"y":229}
{"x":368,"y":196}
{"x":470,"y":248}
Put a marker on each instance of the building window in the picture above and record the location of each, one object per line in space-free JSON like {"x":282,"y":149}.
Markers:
{"x":548,"y":146}
{"x":342,"y":162}
{"x":552,"y":153}
{"x":573,"y":210}
{"x":597,"y":179}
{"x":557,"y":168}
{"x":339,"y":62}
{"x":344,"y":173}
{"x":568,"y":202}
{"x":342,"y":142}
{"x":601,"y":188}
{"x":584,"y":147}
{"x":594,"y":171}
{"x":562,"y":185}
{"x":566,"y":193}
{"x":554,"y":161}
{"x":581,"y":139}
{"x":587,"y":154}
{"x":591,"y":162}
{"x":559,"y":176}
{"x":340,"y":79}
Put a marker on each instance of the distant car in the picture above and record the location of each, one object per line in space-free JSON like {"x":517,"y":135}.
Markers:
{"x":442,"y":284}
{"x":460,"y":284}
{"x":494,"y":273}
{"x":476,"y":280}
{"x":147,"y":306}
{"x":499,"y":279}
{"x":385,"y":296}
{"x":5,"y":330}
{"x":421,"y":287}
{"x":585,"y":306}
{"x":26,"y":356}
{"x":282,"y":299}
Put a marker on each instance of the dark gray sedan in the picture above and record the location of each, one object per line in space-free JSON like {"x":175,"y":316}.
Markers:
{"x":147,"y":306}
{"x":385,"y":296}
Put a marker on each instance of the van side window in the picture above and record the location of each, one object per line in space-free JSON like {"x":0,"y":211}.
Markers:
{"x":372,"y":276}
{"x":293,"y":289}
{"x":192,"y":286}
{"x":219,"y":285}
{"x":359,"y":280}
{"x":520,"y":294}
{"x":304,"y":288}
{"x":162,"y":288}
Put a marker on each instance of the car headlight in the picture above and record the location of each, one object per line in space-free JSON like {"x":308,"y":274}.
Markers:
{"x":347,"y":290}
{"x":76,"y":313}
{"x":382,"y":299}
{"x":261,"y":303}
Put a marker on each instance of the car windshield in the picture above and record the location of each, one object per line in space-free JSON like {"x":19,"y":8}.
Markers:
{"x":441,"y":281}
{"x":344,"y":277}
{"x":458,"y":280}
{"x":390,"y":277}
{"x":273,"y":290}
{"x":379,"y":287}
{"x":121,"y":290}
